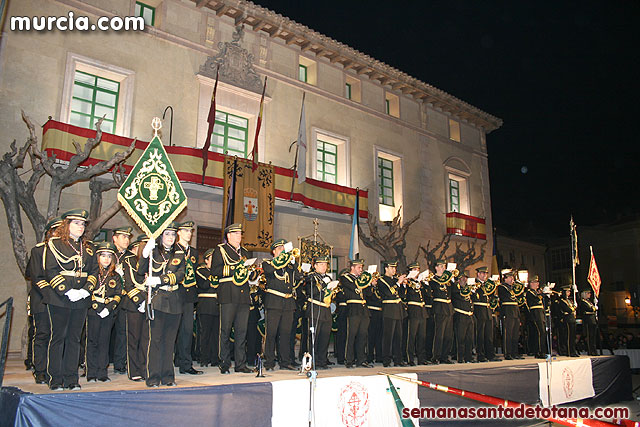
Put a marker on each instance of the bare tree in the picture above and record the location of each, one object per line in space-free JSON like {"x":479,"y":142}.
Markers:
{"x":389,"y":245}
{"x":19,"y":196}
{"x":463,"y":258}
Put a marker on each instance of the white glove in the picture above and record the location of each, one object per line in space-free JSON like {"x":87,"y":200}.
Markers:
{"x":331,"y":286}
{"x":82,"y":294}
{"x":119,"y":270}
{"x":104,"y":313}
{"x":141,"y":307}
{"x":153,"y":281}
{"x":254,"y":282}
{"x":306,"y":267}
{"x":72,"y":294}
{"x":293,"y":259}
{"x":148,"y":248}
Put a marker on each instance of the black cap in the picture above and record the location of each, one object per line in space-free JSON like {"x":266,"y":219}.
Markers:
{"x":233,"y":228}
{"x":79,"y":214}
{"x":123,"y":230}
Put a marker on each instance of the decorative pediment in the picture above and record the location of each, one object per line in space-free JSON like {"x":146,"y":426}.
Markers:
{"x":235,"y":64}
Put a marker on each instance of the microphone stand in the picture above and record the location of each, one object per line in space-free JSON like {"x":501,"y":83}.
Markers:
{"x":312,"y":374}
{"x":548,"y":359}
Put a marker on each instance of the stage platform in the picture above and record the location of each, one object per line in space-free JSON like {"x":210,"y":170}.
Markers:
{"x":281,"y":397}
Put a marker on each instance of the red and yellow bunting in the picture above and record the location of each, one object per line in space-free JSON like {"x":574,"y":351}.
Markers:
{"x":466,"y":225}
{"x":187,"y":161}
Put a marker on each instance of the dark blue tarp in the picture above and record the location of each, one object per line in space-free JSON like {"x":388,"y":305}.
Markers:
{"x":611,"y":383}
{"x":226,"y":405}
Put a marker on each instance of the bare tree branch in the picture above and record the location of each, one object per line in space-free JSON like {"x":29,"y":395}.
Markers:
{"x":390,"y":245}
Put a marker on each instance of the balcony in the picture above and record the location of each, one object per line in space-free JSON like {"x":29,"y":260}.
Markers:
{"x":466,"y":225}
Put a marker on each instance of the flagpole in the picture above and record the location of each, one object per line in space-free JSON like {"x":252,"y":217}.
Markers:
{"x":295,"y":161}
{"x":574,"y":247}
{"x":595,"y":297}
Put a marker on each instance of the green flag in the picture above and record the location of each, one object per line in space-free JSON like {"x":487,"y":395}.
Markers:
{"x":152,"y":193}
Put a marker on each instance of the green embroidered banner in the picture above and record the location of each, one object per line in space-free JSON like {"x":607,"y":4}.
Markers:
{"x":152,"y":194}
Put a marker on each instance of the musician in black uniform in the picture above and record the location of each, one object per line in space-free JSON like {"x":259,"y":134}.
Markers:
{"x":340,"y":337}
{"x":254,"y":334}
{"x":121,"y":239}
{"x":208,"y":312}
{"x":133,"y":306}
{"x":70,"y":270}
{"x":442,"y":312}
{"x":417,"y":312}
{"x":392,"y":314}
{"x":566,"y":312}
{"x":374,"y":334}
{"x":510,"y":314}
{"x":279,"y":304}
{"x":588,"y":313}
{"x":430,"y":323}
{"x":39,"y":285}
{"x":319,"y":296}
{"x":535,"y":319}
{"x":167,"y":267}
{"x":357,"y":316}
{"x":483,"y":316}
{"x":101,"y":316}
{"x":234,"y":297}
{"x":189,"y":295}
{"x":463,"y":318}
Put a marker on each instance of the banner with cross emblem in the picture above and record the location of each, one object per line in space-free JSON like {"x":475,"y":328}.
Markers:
{"x":152,"y":194}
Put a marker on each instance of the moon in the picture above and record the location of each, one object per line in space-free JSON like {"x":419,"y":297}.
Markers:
{"x":524,"y":169}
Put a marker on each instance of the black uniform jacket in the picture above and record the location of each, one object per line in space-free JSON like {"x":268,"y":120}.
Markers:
{"x":69,"y":266}
{"x":281,"y":283}
{"x":208,"y":291}
{"x":169,"y":266}
{"x":224,"y":261}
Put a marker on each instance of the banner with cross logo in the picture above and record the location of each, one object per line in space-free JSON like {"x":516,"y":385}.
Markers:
{"x":152,"y":194}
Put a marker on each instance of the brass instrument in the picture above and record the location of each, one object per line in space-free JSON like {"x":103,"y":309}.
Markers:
{"x":467,"y":290}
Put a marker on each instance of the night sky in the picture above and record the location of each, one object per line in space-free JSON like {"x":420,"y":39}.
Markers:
{"x":562,"y":76}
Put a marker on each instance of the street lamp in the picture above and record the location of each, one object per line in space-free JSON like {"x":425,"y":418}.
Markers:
{"x":627,"y":300}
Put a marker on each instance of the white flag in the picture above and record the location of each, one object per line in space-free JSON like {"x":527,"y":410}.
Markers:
{"x":569,"y":380}
{"x":302,"y":147}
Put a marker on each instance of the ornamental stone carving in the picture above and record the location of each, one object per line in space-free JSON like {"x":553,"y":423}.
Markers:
{"x":235,"y":64}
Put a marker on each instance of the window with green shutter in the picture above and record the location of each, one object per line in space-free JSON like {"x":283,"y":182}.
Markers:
{"x":454,"y":195}
{"x":385,"y":178}
{"x":302,"y":73}
{"x":327,"y":162}
{"x":230,"y":135}
{"x":94,"y":97}
{"x":147,"y":12}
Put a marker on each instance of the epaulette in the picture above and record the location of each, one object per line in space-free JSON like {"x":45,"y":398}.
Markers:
{"x":346,"y":275}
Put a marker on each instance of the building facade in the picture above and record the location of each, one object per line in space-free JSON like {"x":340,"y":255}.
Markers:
{"x":412,"y":147}
{"x":522,"y":255}
{"x":617,"y":252}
